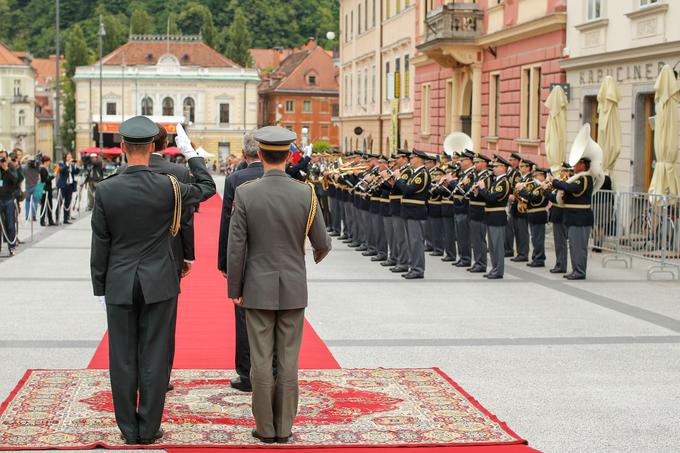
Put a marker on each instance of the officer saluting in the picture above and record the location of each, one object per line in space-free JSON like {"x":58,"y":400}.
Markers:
{"x":133,"y":269}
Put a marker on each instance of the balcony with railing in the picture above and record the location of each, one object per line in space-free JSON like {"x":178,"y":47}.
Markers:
{"x":20,"y":99}
{"x":453,"y":23}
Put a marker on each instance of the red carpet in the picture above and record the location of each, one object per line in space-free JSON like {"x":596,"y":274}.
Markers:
{"x":205,"y":338}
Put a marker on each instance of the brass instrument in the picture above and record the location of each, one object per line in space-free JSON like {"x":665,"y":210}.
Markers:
{"x":522,"y":203}
{"x":475,"y":186}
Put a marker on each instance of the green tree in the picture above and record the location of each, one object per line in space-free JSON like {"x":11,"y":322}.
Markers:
{"x":115,"y":27}
{"x":4,"y":19}
{"x":197,"y":19}
{"x":76,"y":53}
{"x":239,"y":40}
{"x":141,"y":22}
{"x":172,"y":28}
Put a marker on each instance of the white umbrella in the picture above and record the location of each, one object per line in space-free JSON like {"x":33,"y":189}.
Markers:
{"x":203,"y":153}
{"x":609,"y":125}
{"x":665,"y":178}
{"x":556,"y":129}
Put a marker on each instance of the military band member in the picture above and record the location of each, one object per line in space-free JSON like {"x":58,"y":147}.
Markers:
{"x":476,"y":213}
{"x":496,"y":198}
{"x":336,"y":206}
{"x":378,"y":238}
{"x":449,"y":223}
{"x":401,"y":249}
{"x":513,"y":178}
{"x":414,"y":211}
{"x":537,"y":215}
{"x":461,"y":208}
{"x":139,"y":210}
{"x":578,"y":216}
{"x":556,"y":217}
{"x":518,"y":214}
{"x":386,"y":214}
{"x":430,"y":163}
{"x":434,"y":215}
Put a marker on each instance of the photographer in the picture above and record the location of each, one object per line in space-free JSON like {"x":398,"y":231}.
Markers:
{"x":67,"y":184}
{"x":31,"y":172}
{"x":46,"y":180}
{"x":8,"y":189}
{"x":94,"y":172}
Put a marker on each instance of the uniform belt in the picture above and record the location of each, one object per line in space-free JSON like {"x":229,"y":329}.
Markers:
{"x":384,"y":200}
{"x":375,"y":198}
{"x":458,"y":197}
{"x":406,"y":200}
{"x":498,"y":209}
{"x":477,"y":203}
{"x":396,"y":197}
{"x":534,"y":210}
{"x":432,"y":202}
{"x":447,"y":202}
{"x":575,"y":206}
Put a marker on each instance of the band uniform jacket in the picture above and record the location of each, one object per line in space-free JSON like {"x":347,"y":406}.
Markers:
{"x":434,"y":204}
{"x":396,"y":194}
{"x":265,"y":255}
{"x":514,"y":212}
{"x":459,"y":188}
{"x":537,"y":207}
{"x":556,"y":213}
{"x":496,"y":201}
{"x":415,"y":193}
{"x":131,"y":232}
{"x":577,"y":199}
{"x":252,"y":171}
{"x":447,"y":201}
{"x":477,"y":202}
{"x":385,"y":202}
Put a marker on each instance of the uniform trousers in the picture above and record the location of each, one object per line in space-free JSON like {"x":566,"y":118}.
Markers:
{"x":478,"y":243}
{"x":380,"y":240}
{"x":449,"y":237}
{"x":242,"y":356}
{"x":275,"y":399}
{"x":400,"y":242}
{"x":356,"y":224}
{"x":537,"y":242}
{"x":427,"y":235}
{"x":347,"y":226}
{"x":389,"y":236}
{"x":463,"y":238}
{"x":496,"y":236}
{"x":367,"y":230}
{"x":560,"y":239}
{"x":138,"y":362}
{"x":509,"y":238}
{"x":337,"y":212}
{"x":578,"y":237}
{"x":437,"y":233}
{"x":521,"y":227}
{"x":416,"y":253}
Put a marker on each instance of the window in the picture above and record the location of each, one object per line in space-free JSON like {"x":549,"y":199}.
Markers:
{"x":311,"y":79}
{"x":373,"y":81}
{"x":365,"y":86}
{"x":110,"y":108}
{"x":307,"y":107}
{"x":407,"y":82}
{"x":398,"y":7}
{"x":387,"y":9}
{"x":335,"y":110}
{"x":648,"y":2}
{"x":346,"y":29}
{"x":290,"y":106}
{"x":351,"y":23}
{"x":425,"y":110}
{"x":531,"y":98}
{"x":147,"y":106}
{"x":365,"y":14}
{"x":350,"y":89}
{"x":359,"y":19}
{"x":494,"y":104}
{"x":594,"y":9}
{"x":397,"y":79}
{"x":324,"y":131}
{"x":22,"y":118}
{"x":224,"y":113}
{"x":168,"y":107}
{"x":373,"y":16}
{"x":17,"y":88}
{"x":387,"y":80}
{"x":189,"y":109}
{"x":359,"y":87}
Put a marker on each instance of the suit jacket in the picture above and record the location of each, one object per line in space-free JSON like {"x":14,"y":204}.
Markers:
{"x":64,"y":170}
{"x":253,"y":171}
{"x":130,"y":232}
{"x":265,"y":256}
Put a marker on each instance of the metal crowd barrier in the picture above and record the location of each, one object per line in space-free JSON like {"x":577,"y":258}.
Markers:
{"x":638,"y":225}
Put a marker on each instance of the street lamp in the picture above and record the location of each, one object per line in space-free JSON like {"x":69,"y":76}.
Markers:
{"x":305,"y":133}
{"x":101,"y":34}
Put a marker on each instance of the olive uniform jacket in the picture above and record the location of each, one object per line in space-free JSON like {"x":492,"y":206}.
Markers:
{"x":131,"y":232}
{"x":266,"y":247}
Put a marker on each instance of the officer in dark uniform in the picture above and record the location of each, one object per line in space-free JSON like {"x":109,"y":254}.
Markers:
{"x":520,"y":224}
{"x":459,"y":188}
{"x":400,"y":253}
{"x":513,"y":178}
{"x":578,"y":216}
{"x":537,"y":215}
{"x":556,"y":217}
{"x":414,"y":211}
{"x":380,"y":240}
{"x":133,"y":269}
{"x":495,"y":215}
{"x":476,"y":213}
{"x":434,"y":214}
{"x":386,"y":214}
{"x":448,"y":222}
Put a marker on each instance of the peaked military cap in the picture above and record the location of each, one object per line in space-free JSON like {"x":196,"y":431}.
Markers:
{"x":481,"y":158}
{"x":515,"y":156}
{"x":527,"y":162}
{"x":541,"y":170}
{"x":499,"y":160}
{"x":423,"y":154}
{"x":403,"y":152}
{"x":138,"y":129}
{"x":274,"y":138}
{"x":467,"y":155}
{"x":566,"y":166}
{"x":383,"y":158}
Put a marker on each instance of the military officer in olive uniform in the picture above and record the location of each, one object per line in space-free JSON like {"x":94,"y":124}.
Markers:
{"x":513,"y":178}
{"x":272,"y":218}
{"x":537,"y":215}
{"x":133,"y":269}
{"x":520,"y":224}
{"x":476,"y":214}
{"x":461,"y":208}
{"x":495,"y":216}
{"x":400,"y":245}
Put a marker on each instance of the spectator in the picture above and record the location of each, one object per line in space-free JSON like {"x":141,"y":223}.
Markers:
{"x":46,"y":202}
{"x":94,"y":172}
{"x":8,"y":188}
{"x":67,"y":184}
{"x":31,"y":171}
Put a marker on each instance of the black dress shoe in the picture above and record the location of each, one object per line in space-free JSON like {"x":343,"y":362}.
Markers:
{"x":399,"y":269}
{"x":556,"y":270}
{"x":240,"y":384}
{"x":333,"y":235}
{"x":369,"y":253}
{"x":494,"y":276}
{"x":462,"y":264}
{"x":170,"y":388}
{"x":378,"y":258}
{"x":157,"y":436}
{"x":429,"y":249}
{"x":362,"y":248}
{"x":413,"y":276}
{"x":266,"y":440}
{"x":437,"y":254}
{"x":283,"y":440}
{"x":477,"y":270}
{"x":448,"y":259}
{"x":576,"y":277}
{"x":535,"y":264}
{"x":509,"y":254}
{"x":129,"y":440}
{"x":567,"y":275}
{"x":67,"y":222}
{"x":342,"y":237}
{"x":388,"y":263}
{"x":519,"y":259}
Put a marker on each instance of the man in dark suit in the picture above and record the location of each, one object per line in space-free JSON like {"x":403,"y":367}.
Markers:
{"x":133,"y":270}
{"x":254,"y":170}
{"x":67,"y":184}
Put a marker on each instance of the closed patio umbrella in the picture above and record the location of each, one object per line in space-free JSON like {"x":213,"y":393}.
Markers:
{"x":665,"y":178}
{"x":556,"y":129}
{"x":609,"y":124}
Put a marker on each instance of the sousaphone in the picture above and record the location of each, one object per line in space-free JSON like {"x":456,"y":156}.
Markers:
{"x":584,"y":147}
{"x":457,"y":143}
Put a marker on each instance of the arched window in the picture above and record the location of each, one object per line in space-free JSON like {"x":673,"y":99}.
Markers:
{"x":168,"y":107}
{"x":189,"y":110}
{"x":22,"y":118}
{"x":147,"y":106}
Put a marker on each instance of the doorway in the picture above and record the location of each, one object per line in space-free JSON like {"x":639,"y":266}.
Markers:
{"x":466,"y":110}
{"x":643,"y":155}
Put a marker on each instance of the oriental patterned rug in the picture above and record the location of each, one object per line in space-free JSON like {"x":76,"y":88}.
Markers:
{"x":72,"y":409}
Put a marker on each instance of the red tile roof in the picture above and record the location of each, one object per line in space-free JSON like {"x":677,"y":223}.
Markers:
{"x":191,"y":53}
{"x":292,"y":73}
{"x":7,"y":57}
{"x":45,"y":69}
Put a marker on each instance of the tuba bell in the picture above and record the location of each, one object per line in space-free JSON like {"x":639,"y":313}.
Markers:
{"x":457,"y":143}
{"x":584,"y":147}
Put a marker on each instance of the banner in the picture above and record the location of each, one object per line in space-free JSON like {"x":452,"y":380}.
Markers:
{"x":394,"y":127}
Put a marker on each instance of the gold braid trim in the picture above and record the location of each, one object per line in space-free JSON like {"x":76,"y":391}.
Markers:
{"x":310,"y":218}
{"x":176,"y":224}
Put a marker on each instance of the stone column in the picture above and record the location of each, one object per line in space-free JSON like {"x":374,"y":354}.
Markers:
{"x":476,"y":105}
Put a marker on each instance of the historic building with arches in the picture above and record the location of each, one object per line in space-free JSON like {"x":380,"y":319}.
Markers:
{"x":171,"y":79}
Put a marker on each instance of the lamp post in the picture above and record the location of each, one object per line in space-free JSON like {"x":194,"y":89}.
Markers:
{"x":57,"y":93}
{"x":101,"y":34}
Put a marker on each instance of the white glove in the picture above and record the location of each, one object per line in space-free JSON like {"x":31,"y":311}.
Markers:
{"x":308,"y":151}
{"x":102,"y":300}
{"x":184,"y":144}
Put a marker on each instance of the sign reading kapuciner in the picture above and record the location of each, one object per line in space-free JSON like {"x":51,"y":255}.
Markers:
{"x":622,"y":73}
